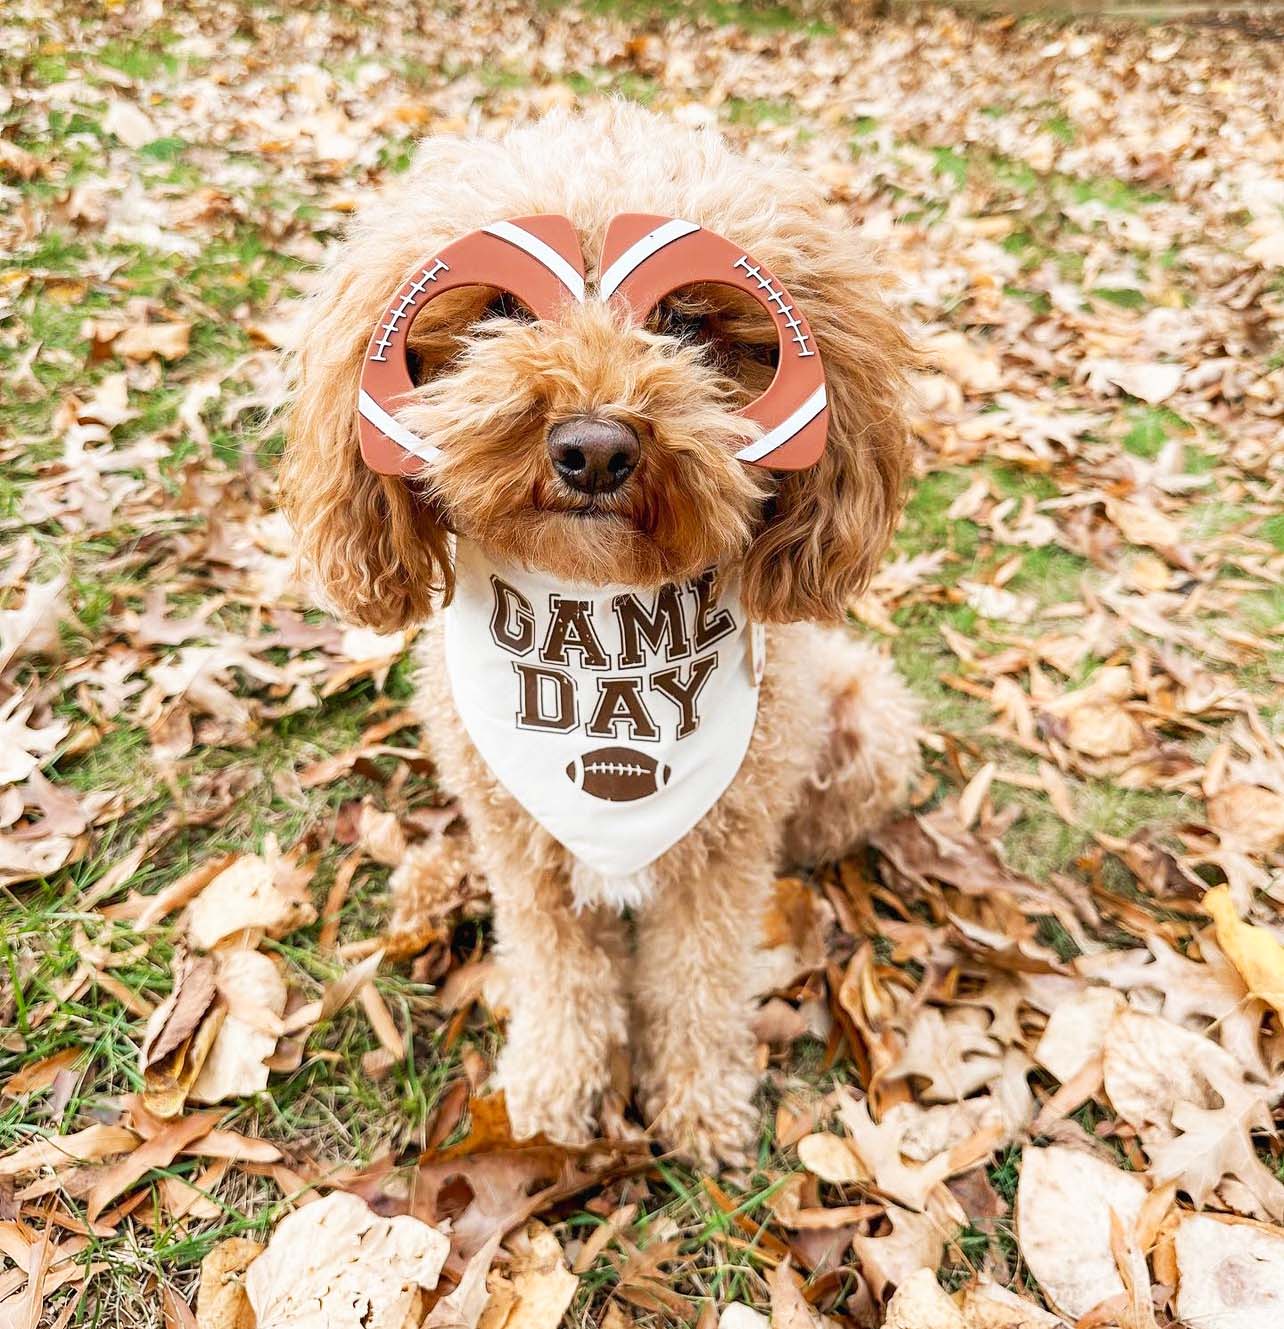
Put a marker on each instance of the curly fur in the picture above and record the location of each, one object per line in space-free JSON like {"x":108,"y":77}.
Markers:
{"x":833,"y":750}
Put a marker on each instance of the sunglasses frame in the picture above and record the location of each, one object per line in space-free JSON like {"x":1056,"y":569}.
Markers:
{"x":644,"y":258}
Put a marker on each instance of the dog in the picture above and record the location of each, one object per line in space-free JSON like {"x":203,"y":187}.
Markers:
{"x":582,"y":529}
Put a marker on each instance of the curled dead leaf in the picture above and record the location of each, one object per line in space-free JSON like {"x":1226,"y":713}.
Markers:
{"x":221,"y":1301}
{"x":246,"y":896}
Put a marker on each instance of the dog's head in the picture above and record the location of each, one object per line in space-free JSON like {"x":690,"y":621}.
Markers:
{"x":597,"y":446}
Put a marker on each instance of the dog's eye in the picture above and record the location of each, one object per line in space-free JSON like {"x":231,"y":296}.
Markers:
{"x":673,"y":318}
{"x":507,"y":305}
{"x":737,"y":335}
{"x":434,"y":340}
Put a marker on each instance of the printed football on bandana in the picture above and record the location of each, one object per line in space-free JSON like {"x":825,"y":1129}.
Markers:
{"x":615,"y":717}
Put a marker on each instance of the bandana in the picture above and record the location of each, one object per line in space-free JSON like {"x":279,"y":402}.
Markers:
{"x":615,"y":717}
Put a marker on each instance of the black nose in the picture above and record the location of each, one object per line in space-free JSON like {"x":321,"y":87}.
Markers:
{"x":593,"y":456}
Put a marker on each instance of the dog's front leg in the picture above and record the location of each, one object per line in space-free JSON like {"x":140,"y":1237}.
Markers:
{"x":694,"y":991}
{"x":561,"y":975}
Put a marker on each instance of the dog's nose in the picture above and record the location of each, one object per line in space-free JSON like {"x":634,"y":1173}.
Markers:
{"x":593,"y":456}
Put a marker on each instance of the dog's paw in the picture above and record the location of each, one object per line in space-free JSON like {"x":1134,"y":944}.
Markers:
{"x":707,"y":1117}
{"x":544,"y":1100}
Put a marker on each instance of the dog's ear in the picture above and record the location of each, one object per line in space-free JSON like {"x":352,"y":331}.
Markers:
{"x":826,"y":527}
{"x":373,"y":544}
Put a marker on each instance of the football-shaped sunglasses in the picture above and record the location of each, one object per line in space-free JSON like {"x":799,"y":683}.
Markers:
{"x":538,"y":261}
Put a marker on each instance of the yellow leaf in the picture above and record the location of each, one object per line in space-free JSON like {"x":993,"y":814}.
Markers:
{"x":1252,"y":950}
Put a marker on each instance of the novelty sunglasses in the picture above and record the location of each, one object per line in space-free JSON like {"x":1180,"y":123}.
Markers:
{"x":538,"y":261}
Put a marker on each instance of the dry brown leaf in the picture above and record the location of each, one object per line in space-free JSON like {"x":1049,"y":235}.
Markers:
{"x":1254,"y":951}
{"x":1249,"y":816}
{"x":789,"y":1308}
{"x":1231,"y":1275}
{"x":37,"y":1076}
{"x":245,"y":897}
{"x":179,"y":1035}
{"x":1073,"y":1261}
{"x":147,"y":910}
{"x":160,"y":1151}
{"x":252,"y":989}
{"x":831,"y":1158}
{"x":1214,"y":1143}
{"x":32,"y":627}
{"x":509,"y":1181}
{"x":462,"y":1308}
{"x":987,"y":1305}
{"x":1076,"y":1031}
{"x":56,"y":1151}
{"x":879,"y":1149}
{"x":966,"y":360}
{"x":739,"y":1316}
{"x":915,"y":1242}
{"x":337,"y":1265}
{"x":920,"y":1303}
{"x":24,"y":747}
{"x":426,"y":887}
{"x":540,"y":1284}
{"x":950,"y":1052}
{"x":129,"y":124}
{"x":1103,"y":729}
{"x":1150,"y":1065}
{"x":142,"y":341}
{"x":221,"y":1302}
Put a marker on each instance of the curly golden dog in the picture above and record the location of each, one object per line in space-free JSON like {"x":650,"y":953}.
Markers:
{"x":582,"y":464}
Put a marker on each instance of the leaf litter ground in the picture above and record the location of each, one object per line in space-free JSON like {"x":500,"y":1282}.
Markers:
{"x":244,"y":959}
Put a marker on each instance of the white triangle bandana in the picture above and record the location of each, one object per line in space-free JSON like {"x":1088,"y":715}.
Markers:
{"x":615,"y":717}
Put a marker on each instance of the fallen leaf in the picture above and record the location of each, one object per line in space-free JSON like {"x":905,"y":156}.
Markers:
{"x":55,"y":1151}
{"x":129,"y":124}
{"x":972,"y":365}
{"x":988,"y":1305}
{"x":336,"y":1265}
{"x":252,"y":989}
{"x":142,"y":341}
{"x":244,"y":897}
{"x":831,"y":1159}
{"x":463,"y":1308}
{"x":1076,"y":1031}
{"x":1153,"y":382}
{"x":1249,"y":816}
{"x":1253,"y":951}
{"x":789,"y":1308}
{"x":179,"y":1035}
{"x":739,"y":1316}
{"x":1211,"y":1144}
{"x":949,"y":1052}
{"x":21,"y":746}
{"x":879,"y":1149}
{"x":221,"y":1301}
{"x":1073,"y":1260}
{"x":158,"y":1152}
{"x":540,"y":1284}
{"x":32,"y":628}
{"x":1231,"y":1275}
{"x":916,"y":1241}
{"x":921,"y":1303}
